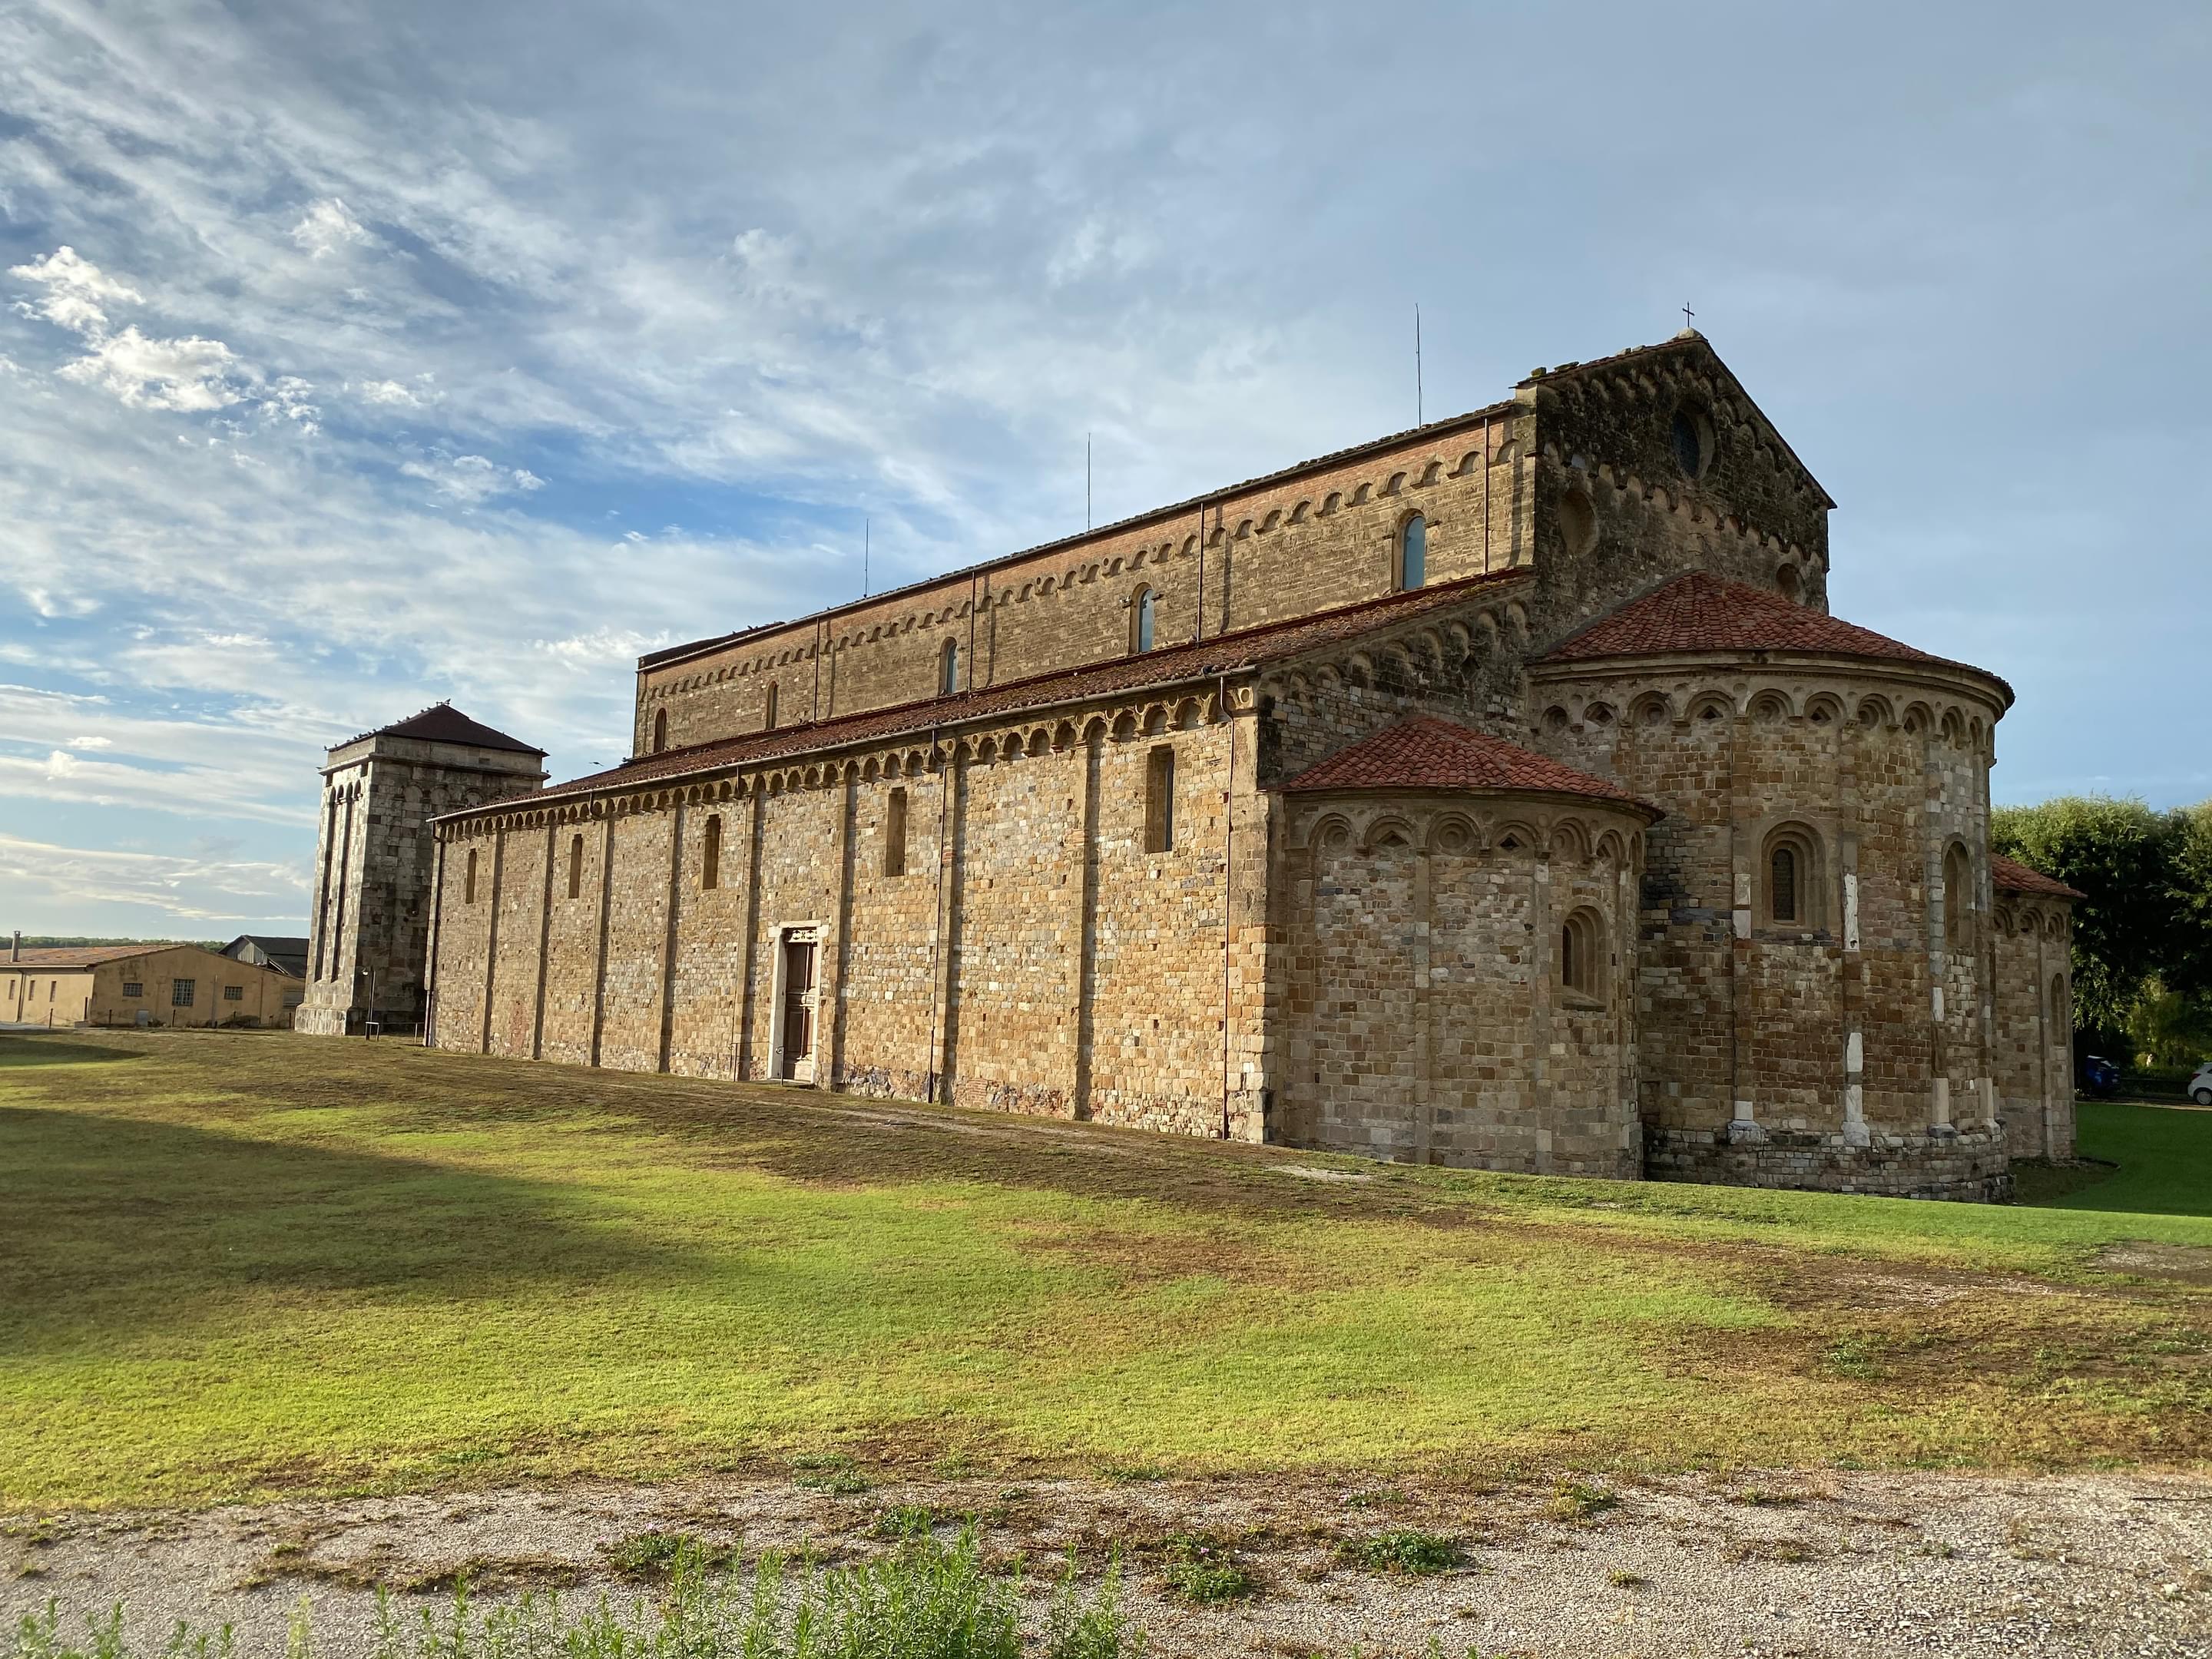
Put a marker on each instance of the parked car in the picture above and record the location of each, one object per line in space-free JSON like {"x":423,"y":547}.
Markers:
{"x":2100,"y":1076}
{"x":2200,"y":1086}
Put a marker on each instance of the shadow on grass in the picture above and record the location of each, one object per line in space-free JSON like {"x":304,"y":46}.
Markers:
{"x":117,"y":1227}
{"x":19,"y":1050}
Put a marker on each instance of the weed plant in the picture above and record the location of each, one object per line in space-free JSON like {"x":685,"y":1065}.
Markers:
{"x":927,"y":1601}
{"x":1404,"y":1550}
{"x":1200,"y":1569}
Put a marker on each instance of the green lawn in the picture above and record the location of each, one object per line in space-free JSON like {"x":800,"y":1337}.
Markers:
{"x":242,"y":1265}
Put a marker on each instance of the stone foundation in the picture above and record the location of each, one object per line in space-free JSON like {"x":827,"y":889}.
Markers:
{"x":1969,"y":1165}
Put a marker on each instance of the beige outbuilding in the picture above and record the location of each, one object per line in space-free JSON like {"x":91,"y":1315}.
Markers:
{"x":140,"y":984}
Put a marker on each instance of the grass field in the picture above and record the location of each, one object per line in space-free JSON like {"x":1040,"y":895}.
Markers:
{"x":253,"y":1265}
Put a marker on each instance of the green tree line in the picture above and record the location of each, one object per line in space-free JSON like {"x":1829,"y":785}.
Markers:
{"x":2143,"y":934}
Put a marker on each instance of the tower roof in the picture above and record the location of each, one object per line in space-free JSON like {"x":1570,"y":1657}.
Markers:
{"x":1425,"y":753}
{"x":1701,"y":611}
{"x":443,"y":723}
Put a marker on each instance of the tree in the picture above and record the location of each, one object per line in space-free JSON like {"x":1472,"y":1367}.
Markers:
{"x":2118,"y":853}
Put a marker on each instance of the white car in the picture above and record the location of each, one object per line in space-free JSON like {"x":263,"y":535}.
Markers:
{"x":2200,"y":1086}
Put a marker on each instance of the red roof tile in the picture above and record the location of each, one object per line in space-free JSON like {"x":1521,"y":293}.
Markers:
{"x":1224,"y":653}
{"x":1425,"y":753}
{"x":1702,"y":612}
{"x":2010,"y":876}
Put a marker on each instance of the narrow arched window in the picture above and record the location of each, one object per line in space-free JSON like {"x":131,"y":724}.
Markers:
{"x":2060,"y":1029}
{"x":895,"y":834}
{"x":1159,"y":801}
{"x":948,"y":669}
{"x":1582,"y":956}
{"x":575,"y":866}
{"x":1957,"y":898}
{"x":1143,"y":615}
{"x":660,"y":730}
{"x":1793,"y":893}
{"x":469,"y":882}
{"x":1413,"y":553}
{"x":710,"y":856}
{"x":768,"y":709}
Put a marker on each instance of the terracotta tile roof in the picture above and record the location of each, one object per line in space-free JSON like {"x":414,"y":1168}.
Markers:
{"x":1425,"y":753}
{"x":443,"y":723}
{"x":1701,"y":611}
{"x":1224,"y":653}
{"x":2010,"y":876}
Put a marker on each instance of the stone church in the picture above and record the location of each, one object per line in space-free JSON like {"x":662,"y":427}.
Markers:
{"x":1500,"y":794}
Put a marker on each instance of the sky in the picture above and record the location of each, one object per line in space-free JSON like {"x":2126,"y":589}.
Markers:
{"x":357,"y":356}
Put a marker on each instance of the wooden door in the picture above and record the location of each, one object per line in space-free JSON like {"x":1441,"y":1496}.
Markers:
{"x":796,"y":1063}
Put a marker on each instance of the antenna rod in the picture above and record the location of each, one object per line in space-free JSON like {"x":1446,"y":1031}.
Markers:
{"x":1086,"y":481}
{"x":867,"y":529}
{"x":1418,"y":410}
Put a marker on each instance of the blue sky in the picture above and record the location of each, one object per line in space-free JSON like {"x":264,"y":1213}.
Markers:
{"x":354,"y":356}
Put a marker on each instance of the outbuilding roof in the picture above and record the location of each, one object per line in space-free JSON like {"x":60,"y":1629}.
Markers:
{"x":77,"y":957}
{"x":2011,"y":875}
{"x":1426,"y":753}
{"x":1701,"y":611}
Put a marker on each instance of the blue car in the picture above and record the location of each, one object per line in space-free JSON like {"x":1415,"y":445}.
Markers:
{"x":2100,"y":1076}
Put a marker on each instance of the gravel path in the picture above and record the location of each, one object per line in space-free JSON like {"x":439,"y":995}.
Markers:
{"x":1823,"y":1563}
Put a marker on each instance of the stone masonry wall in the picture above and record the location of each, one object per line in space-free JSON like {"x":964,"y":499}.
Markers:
{"x":1427,"y":1017}
{"x":1821,"y":1044}
{"x":1034,"y":956}
{"x":1323,"y":538}
{"x":371,"y":918}
{"x":2033,"y":1045}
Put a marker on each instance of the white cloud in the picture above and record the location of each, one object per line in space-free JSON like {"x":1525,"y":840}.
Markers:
{"x":471,"y":479}
{"x":395,"y":394}
{"x":190,"y":375}
{"x":185,"y":888}
{"x":76,"y":289}
{"x":329,"y":227}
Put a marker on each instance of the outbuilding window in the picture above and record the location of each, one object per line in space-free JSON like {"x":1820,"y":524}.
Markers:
{"x":233,"y":993}
{"x":181,"y":992}
{"x":132,"y":987}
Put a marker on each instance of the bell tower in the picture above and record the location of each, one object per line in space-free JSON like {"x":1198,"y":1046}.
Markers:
{"x":370,"y":929}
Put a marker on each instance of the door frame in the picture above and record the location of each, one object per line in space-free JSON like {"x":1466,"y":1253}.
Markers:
{"x":784,"y":936}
